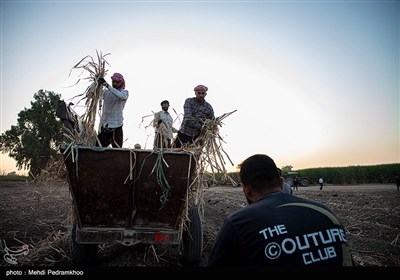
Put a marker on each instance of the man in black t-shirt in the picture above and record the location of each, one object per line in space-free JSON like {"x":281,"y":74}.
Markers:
{"x":278,"y":229}
{"x":296,"y":183}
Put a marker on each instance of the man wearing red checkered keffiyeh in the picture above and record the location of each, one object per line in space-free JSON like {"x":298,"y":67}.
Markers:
{"x":114,"y":99}
{"x":196,"y":111}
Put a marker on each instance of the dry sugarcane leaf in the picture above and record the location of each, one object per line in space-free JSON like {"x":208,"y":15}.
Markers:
{"x":93,"y":95}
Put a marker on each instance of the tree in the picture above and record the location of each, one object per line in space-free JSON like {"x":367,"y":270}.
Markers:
{"x":36,"y":137}
{"x":287,"y":168}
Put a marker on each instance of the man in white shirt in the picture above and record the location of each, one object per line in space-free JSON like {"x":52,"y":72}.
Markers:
{"x":164,"y":130}
{"x":114,"y":99}
{"x":321,"y":183}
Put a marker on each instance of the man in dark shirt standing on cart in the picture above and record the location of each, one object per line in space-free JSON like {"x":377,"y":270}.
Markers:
{"x":196,"y":111}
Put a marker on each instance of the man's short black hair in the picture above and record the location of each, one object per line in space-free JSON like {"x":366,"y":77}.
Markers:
{"x":258,"y":168}
{"x":165,"y":101}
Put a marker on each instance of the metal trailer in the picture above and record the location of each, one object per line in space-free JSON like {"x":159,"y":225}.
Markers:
{"x":133,"y":196}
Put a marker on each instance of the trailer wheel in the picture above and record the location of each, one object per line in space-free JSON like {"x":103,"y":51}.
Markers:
{"x":81,"y":253}
{"x":304,"y":183}
{"x":193,"y":238}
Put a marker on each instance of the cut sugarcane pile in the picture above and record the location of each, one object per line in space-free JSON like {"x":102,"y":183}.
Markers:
{"x":93,"y":96}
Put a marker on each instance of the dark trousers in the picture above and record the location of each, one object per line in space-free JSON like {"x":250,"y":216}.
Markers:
{"x":113,"y":136}
{"x":182,"y":139}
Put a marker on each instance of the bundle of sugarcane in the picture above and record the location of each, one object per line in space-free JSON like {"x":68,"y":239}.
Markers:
{"x":212,"y":152}
{"x":45,"y":250}
{"x":207,"y":152}
{"x":93,"y":95}
{"x":54,"y":170}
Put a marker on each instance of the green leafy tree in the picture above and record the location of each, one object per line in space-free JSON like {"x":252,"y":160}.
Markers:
{"x":287,"y":168}
{"x":35,"y":139}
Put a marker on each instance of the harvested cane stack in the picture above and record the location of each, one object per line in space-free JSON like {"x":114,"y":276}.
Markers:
{"x":82,"y":132}
{"x":93,"y":95}
{"x":209,"y":155}
{"x":213,"y":155}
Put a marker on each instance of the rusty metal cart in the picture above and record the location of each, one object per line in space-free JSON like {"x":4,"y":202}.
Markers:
{"x":133,"y":196}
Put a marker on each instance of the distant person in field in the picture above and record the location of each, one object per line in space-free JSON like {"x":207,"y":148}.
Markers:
{"x":296,"y":182}
{"x":286,"y":187}
{"x":278,"y":229}
{"x":321,"y":183}
{"x":114,"y":99}
{"x":398,"y":182}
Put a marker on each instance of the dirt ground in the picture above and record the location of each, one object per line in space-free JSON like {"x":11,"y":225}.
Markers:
{"x":38,"y":215}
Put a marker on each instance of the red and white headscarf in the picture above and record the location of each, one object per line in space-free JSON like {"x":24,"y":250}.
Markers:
{"x":119,"y":78}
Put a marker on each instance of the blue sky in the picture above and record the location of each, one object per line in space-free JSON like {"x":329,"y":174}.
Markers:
{"x":314,"y":83}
